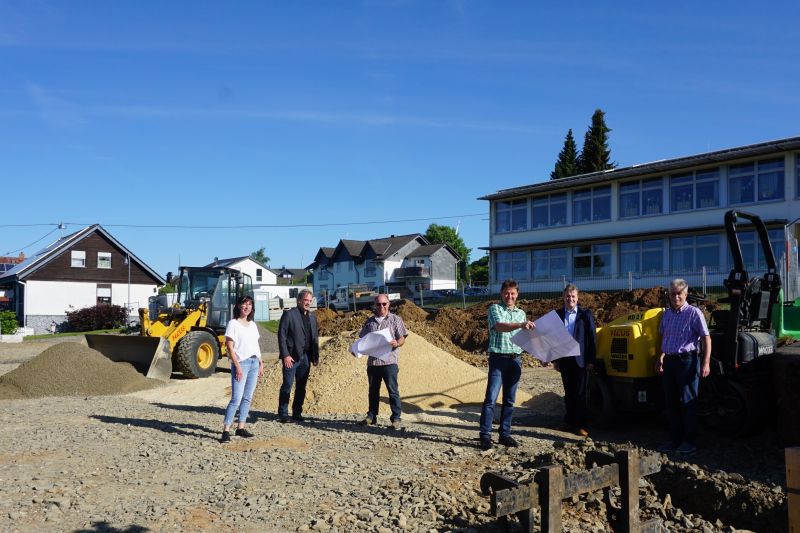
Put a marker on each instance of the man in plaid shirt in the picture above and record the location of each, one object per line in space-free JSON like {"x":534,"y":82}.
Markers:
{"x":504,"y":364}
{"x":683,"y":328}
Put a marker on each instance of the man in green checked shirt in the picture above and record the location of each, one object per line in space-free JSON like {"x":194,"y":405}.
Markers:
{"x":504,"y":364}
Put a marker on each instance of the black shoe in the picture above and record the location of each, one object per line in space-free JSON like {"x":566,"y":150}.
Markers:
{"x":509,"y":441}
{"x":226,"y":436}
{"x":298,"y":418}
{"x":241,"y":432}
{"x":486,"y":444}
{"x":283,"y":419}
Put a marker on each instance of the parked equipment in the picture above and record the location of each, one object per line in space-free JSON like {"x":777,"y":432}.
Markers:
{"x":354,"y":297}
{"x":190,"y":334}
{"x":733,"y":397}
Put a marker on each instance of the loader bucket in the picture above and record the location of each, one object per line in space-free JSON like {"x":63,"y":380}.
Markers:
{"x":149,"y":355}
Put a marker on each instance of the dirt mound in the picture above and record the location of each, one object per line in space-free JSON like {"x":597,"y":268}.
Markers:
{"x":71,"y":369}
{"x":429,"y":379}
{"x":409,"y":311}
{"x":332,"y":323}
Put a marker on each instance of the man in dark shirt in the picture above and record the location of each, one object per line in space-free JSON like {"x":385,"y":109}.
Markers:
{"x":298,"y":342}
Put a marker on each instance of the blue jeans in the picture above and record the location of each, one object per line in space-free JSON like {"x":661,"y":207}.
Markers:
{"x":387,"y":374}
{"x":503,"y":372}
{"x":299,"y":371}
{"x":681,"y":379}
{"x":242,"y":390}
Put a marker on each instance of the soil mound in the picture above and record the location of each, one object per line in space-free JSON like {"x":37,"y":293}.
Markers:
{"x":429,"y":379}
{"x":71,"y":369}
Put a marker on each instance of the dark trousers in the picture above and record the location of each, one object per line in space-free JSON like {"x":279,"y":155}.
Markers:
{"x":681,"y":379}
{"x":504,"y":372}
{"x":576,"y":384}
{"x":387,"y":374}
{"x":299,"y":372}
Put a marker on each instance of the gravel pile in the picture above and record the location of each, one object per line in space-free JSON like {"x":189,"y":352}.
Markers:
{"x":429,"y":379}
{"x":71,"y":369}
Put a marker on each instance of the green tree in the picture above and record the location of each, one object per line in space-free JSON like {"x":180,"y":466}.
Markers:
{"x":596,"y":155}
{"x":478,"y":271}
{"x":567,"y":163}
{"x":167,"y":288}
{"x":438,"y":234}
{"x":260,"y":255}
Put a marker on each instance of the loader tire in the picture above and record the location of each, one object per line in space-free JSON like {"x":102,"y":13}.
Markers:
{"x":197,"y":355}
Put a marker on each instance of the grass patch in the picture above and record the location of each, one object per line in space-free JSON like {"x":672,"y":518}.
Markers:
{"x":270,"y":325}
{"x":71,"y":334}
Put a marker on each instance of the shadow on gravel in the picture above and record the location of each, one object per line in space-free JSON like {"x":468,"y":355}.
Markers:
{"x":191,"y":430}
{"x":105,"y":527}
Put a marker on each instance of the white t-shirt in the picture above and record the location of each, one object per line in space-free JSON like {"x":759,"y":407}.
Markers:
{"x":245,"y":339}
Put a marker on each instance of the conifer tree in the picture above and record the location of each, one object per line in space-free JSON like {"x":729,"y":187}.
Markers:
{"x":596,"y":155}
{"x":567,"y":163}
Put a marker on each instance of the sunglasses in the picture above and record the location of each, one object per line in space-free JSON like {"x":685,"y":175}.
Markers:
{"x":382,"y":304}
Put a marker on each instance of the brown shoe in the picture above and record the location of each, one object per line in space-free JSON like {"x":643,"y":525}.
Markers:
{"x":582,"y":432}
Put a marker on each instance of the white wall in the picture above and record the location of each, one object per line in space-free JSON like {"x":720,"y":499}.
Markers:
{"x":56,"y":297}
{"x":249,"y":267}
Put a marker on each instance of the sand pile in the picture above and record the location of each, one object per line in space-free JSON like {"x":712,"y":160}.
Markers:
{"x":430,"y":379}
{"x":71,"y":369}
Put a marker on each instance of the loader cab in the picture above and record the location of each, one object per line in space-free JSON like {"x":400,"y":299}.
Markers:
{"x":218,"y":288}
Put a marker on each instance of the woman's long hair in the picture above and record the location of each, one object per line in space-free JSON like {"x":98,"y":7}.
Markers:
{"x":237,"y":310}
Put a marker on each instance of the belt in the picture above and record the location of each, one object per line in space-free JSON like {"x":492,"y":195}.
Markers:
{"x":682,"y":355}
{"x":510,"y":355}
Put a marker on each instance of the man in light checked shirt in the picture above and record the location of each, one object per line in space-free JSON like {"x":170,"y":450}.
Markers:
{"x":683,"y":327}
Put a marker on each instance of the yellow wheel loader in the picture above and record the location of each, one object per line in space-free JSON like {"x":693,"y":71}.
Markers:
{"x":189,"y":335}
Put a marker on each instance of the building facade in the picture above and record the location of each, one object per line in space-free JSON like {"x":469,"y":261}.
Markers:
{"x":640,"y":225}
{"x":405,"y":263}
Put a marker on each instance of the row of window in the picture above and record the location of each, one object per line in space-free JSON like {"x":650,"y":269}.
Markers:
{"x":759,"y":181}
{"x":683,"y":254}
{"x":78,"y":259}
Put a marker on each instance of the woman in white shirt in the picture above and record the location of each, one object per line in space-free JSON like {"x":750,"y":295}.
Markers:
{"x":241,"y":337}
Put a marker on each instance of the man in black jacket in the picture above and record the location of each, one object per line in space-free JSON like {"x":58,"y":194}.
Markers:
{"x":298,"y":342}
{"x":575,"y":370}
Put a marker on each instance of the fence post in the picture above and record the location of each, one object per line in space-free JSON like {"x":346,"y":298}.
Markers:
{"x":629,"y":483}
{"x":793,"y":487}
{"x":463,"y":297}
{"x":630,"y":281}
{"x":550,"y":494}
{"x":563,"y":281}
{"x":705,"y":289}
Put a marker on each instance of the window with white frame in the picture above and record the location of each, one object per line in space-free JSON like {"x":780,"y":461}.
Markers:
{"x":78,"y":259}
{"x":511,"y":216}
{"x":692,"y":253}
{"x":591,"y":205}
{"x":550,"y":263}
{"x":103,"y":259}
{"x":761,"y":181}
{"x":259,"y":274}
{"x":591,"y":260}
{"x":350,"y":266}
{"x":323,"y":275}
{"x":104,"y":293}
{"x":369,"y":269}
{"x":550,"y":211}
{"x":511,"y":265}
{"x":641,"y":257}
{"x":641,"y":197}
{"x":694,"y":190}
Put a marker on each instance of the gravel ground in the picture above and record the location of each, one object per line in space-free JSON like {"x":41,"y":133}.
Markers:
{"x":150,"y":461}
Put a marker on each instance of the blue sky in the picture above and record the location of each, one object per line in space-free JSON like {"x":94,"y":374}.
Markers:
{"x":325,"y":113}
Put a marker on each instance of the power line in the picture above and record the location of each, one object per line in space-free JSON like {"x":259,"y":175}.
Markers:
{"x":282,"y":226}
{"x":34,"y":242}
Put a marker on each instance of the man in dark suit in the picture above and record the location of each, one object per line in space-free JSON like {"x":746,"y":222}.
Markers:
{"x":575,"y":370}
{"x":298,"y":342}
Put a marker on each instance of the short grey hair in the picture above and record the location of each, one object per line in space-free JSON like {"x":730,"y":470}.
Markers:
{"x":379,"y":296}
{"x":569,"y":287}
{"x":679,"y":285}
{"x":302,"y":294}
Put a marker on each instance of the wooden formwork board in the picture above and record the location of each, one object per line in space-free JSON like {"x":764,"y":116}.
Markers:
{"x":793,"y":487}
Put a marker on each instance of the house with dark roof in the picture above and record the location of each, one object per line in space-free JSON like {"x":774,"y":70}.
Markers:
{"x":260,"y":273}
{"x":641,"y":225}
{"x":404,"y":263}
{"x":83,"y":269}
{"x":290,"y":276}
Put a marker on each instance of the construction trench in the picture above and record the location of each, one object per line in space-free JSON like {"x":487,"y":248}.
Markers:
{"x":732,"y":483}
